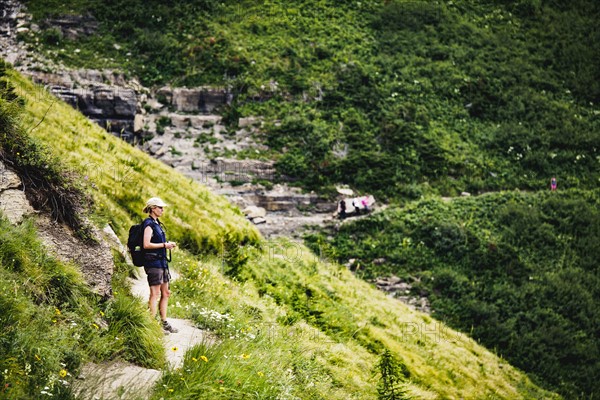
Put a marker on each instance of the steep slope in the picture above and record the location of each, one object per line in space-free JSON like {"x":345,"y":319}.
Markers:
{"x":401,"y":98}
{"x":517,"y":270}
{"x":290,"y":325}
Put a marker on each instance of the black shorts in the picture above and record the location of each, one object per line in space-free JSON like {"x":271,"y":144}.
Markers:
{"x":157,"y":276}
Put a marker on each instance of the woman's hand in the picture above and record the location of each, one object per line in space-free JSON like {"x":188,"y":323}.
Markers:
{"x":170,"y":245}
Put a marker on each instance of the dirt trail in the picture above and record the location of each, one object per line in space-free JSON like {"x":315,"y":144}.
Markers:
{"x":123,"y":381}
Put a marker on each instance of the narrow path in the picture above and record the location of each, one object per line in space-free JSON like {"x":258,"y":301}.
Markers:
{"x":188,"y":335}
{"x":124,"y":381}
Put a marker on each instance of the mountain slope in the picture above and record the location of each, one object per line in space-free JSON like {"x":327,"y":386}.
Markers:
{"x":338,"y":324}
{"x":517,"y":270}
{"x":398,"y":98}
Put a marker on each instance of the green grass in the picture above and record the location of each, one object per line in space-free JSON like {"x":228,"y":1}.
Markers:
{"x":516,"y":270}
{"x":300,"y":327}
{"x":52,"y":323}
{"x":401,"y":99}
{"x":424,"y":97}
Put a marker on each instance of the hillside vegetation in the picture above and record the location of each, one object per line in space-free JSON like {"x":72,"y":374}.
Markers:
{"x":398,"y":98}
{"x":517,"y":271}
{"x":407,"y":100}
{"x":290,"y":325}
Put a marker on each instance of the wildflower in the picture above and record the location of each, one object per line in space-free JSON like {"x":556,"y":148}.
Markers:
{"x":95,"y":326}
{"x":56,"y":311}
{"x":245,"y":356}
{"x":194,"y":359}
{"x":101,"y":313}
{"x":37,"y":357}
{"x":174,"y":348}
{"x":62,"y":373}
{"x":170,"y":390}
{"x":203,"y":358}
{"x":260,"y":373}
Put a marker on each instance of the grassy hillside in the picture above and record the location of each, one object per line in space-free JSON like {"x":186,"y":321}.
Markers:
{"x":289,"y":324}
{"x":406,"y":99}
{"x":398,"y":98}
{"x":518,"y":271}
{"x":51,"y":322}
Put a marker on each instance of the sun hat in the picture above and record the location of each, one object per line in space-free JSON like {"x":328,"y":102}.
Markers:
{"x":154,"y":202}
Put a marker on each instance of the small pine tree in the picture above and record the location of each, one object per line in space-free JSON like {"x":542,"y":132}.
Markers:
{"x":392,"y":375}
{"x":233,"y":255}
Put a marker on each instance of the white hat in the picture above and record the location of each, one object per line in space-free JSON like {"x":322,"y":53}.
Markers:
{"x":154,"y":202}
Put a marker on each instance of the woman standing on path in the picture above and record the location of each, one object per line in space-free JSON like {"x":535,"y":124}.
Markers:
{"x":155,"y":261}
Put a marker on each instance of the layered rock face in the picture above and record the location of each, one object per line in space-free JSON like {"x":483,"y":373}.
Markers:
{"x":194,"y":100}
{"x":111,"y":107}
{"x":72,"y":26}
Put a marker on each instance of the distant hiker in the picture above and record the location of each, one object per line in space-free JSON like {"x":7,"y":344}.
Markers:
{"x":356,"y":207}
{"x":343,"y":209}
{"x":155,"y":261}
{"x":365,"y":204}
{"x":553,"y":184}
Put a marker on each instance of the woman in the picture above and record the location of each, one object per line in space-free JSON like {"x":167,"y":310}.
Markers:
{"x":155,"y":261}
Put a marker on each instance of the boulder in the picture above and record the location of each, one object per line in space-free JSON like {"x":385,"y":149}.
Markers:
{"x":252,"y":212}
{"x":13,"y":202}
{"x":138,"y":123}
{"x":14,"y":205}
{"x":8,"y":178}
{"x":248,"y":122}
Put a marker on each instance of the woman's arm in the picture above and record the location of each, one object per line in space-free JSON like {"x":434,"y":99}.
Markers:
{"x":148,"y":245}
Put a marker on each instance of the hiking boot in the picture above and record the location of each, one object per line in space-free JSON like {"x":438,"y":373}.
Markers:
{"x":168,"y":328}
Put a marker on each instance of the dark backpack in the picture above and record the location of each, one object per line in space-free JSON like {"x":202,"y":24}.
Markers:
{"x":135,"y":244}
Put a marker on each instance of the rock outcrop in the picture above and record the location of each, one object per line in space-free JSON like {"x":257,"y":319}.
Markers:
{"x":403,"y":291}
{"x":111,"y":107}
{"x":13,"y":202}
{"x":194,"y":100}
{"x":72,"y":26}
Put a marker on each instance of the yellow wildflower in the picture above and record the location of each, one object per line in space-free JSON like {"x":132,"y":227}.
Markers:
{"x":245,"y":356}
{"x":203,"y":358}
{"x":194,"y":359}
{"x":260,"y":373}
{"x":62,"y":373}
